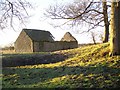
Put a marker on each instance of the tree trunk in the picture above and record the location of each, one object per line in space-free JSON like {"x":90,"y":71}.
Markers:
{"x":115,"y":29}
{"x":93,"y":37}
{"x":106,"y":22}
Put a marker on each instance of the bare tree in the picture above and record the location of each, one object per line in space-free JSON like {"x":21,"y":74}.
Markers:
{"x":115,"y":28}
{"x":93,"y":36}
{"x":80,"y":12}
{"x":11,"y":11}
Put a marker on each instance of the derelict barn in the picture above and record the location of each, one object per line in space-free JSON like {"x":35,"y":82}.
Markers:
{"x":32,"y":40}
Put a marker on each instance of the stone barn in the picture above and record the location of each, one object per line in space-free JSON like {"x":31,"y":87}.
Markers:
{"x":31,"y":40}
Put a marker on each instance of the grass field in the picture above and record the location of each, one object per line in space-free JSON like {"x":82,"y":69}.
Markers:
{"x":85,"y":67}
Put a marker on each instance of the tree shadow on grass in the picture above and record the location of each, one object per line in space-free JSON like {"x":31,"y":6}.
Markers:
{"x":100,"y":76}
{"x":31,"y":59}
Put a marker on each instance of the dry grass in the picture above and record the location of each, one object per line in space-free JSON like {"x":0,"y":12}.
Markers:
{"x":7,"y":51}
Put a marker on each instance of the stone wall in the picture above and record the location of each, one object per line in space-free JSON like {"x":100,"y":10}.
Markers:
{"x":38,"y":46}
{"x":54,"y":46}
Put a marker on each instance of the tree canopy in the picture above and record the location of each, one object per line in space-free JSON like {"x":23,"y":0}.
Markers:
{"x":90,"y":13}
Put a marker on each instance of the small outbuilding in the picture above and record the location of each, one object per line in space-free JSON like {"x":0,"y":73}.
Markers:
{"x":70,"y":41}
{"x":68,"y":37}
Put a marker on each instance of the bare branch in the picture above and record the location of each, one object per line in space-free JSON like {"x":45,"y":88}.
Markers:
{"x":12,"y":10}
{"x":78,"y":13}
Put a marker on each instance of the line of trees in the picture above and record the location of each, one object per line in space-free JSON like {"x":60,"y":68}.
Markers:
{"x":92,"y":13}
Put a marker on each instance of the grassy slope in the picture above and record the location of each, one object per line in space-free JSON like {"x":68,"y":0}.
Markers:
{"x":89,"y":66}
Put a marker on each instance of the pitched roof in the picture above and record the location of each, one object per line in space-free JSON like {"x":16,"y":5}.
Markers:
{"x":39,"y":35}
{"x":68,"y":37}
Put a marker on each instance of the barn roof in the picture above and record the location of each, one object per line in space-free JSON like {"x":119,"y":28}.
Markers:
{"x":68,"y":37}
{"x":39,"y":35}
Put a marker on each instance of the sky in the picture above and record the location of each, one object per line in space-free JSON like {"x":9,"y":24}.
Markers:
{"x":38,"y":21}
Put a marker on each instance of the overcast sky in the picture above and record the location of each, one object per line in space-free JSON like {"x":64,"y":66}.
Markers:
{"x":37,"y":21}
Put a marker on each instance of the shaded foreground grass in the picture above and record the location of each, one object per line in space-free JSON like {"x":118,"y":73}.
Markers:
{"x":12,"y":60}
{"x":86,"y":67}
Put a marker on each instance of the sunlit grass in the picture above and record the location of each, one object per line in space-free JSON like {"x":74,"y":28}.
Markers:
{"x":85,"y":67}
